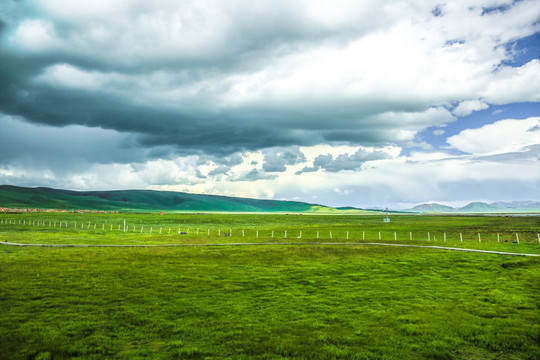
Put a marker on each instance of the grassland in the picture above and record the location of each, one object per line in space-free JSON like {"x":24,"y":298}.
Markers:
{"x":268,"y":302}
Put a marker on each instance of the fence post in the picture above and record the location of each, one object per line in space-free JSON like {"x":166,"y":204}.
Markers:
{"x":410,"y":235}
{"x":395,"y":236}
{"x":347,"y":235}
{"x":317,"y":234}
{"x":444,"y":236}
{"x":330,"y":235}
{"x":285,"y":234}
{"x":460,"y":237}
{"x":242,"y":232}
{"x":257,"y":233}
{"x":363,"y":235}
{"x":428,"y":237}
{"x":498,"y":240}
{"x":517,"y":237}
{"x":272,"y":234}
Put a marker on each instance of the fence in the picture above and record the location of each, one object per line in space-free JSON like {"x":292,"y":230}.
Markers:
{"x":334,"y":234}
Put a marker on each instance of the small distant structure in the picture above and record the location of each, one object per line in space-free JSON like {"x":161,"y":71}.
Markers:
{"x":387,"y":217}
{"x":161,"y":213}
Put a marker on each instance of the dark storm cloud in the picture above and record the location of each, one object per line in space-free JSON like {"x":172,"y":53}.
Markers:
{"x":194,"y":124}
{"x":220,"y":170}
{"x":276,"y":160}
{"x":193,"y":129}
{"x":344,"y":161}
{"x":224,"y":164}
{"x":72,"y":147}
{"x":229,"y":161}
{"x":254,"y":175}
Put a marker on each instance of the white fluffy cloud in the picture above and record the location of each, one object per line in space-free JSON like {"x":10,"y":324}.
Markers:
{"x":515,"y":84}
{"x":395,"y":51}
{"x":503,"y":136}
{"x":467,"y":107}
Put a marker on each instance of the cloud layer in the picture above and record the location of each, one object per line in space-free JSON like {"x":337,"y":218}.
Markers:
{"x":260,"y":98}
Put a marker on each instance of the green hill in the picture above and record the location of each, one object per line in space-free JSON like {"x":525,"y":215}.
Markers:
{"x":479,"y":207}
{"x":141,"y":200}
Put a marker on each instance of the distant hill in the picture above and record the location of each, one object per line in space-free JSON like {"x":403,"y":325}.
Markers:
{"x":434,"y":207}
{"x":142,"y":201}
{"x":480,"y":207}
{"x":476,"y":207}
{"x":518,"y":205}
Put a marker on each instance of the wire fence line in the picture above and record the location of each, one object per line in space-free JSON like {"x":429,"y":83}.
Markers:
{"x":343,"y":234}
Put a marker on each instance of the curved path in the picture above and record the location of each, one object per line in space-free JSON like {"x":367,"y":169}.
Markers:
{"x":272,"y":243}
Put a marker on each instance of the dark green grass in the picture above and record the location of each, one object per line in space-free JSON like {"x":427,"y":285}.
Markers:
{"x":267,"y":302}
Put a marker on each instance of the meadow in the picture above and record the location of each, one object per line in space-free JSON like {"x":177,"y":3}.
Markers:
{"x":268,"y":301}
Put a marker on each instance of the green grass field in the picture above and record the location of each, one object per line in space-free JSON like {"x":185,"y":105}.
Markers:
{"x":268,"y":302}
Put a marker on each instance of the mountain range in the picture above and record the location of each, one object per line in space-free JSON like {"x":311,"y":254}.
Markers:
{"x":481,"y":207}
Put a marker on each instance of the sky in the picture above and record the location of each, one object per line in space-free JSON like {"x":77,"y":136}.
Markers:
{"x":343,"y":103}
